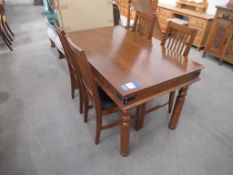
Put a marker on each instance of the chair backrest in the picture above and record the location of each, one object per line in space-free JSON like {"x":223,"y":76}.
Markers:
{"x":86,"y":73}
{"x":62,"y":36}
{"x":116,"y":14}
{"x":144,"y":24}
{"x":178,"y":38}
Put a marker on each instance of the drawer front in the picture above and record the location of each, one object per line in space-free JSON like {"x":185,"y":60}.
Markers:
{"x":199,"y":23}
{"x":165,"y":13}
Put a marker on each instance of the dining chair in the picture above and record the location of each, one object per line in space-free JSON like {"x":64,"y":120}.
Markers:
{"x":116,"y":14}
{"x":144,"y":24}
{"x":178,"y":39}
{"x":74,"y":73}
{"x":94,"y":94}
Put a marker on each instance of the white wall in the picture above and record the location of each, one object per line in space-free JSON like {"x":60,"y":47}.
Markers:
{"x":211,"y":6}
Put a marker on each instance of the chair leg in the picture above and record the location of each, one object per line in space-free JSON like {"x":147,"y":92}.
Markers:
{"x":81,"y":99}
{"x":204,"y":54}
{"x":8,"y":45}
{"x":4,"y":35}
{"x":86,"y":107}
{"x":72,"y":87}
{"x":140,"y":116}
{"x":6,"y":31}
{"x":5,"y":40}
{"x":171,"y":101}
{"x":60,"y":54}
{"x":9,"y":29}
{"x":52,"y":45}
{"x":98,"y":127}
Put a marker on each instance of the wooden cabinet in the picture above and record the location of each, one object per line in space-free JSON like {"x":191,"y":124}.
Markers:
{"x":197,"y":20}
{"x":124,"y":6}
{"x":220,"y":40}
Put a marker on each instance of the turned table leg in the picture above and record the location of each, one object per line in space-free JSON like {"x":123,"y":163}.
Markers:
{"x":178,"y":107}
{"x":125,"y":133}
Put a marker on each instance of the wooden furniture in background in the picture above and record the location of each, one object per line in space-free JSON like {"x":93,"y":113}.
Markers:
{"x":220,"y":41}
{"x":230,"y":4}
{"x":128,"y":58}
{"x":144,"y":24}
{"x":177,"y":39}
{"x":199,"y":21}
{"x":103,"y":104}
{"x":192,"y":5}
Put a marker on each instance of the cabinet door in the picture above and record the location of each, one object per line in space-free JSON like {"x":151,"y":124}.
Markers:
{"x":215,"y":38}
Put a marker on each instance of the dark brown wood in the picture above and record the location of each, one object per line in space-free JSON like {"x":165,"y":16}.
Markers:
{"x":178,"y":39}
{"x":52,"y":44}
{"x":74,"y":73}
{"x":144,"y":24}
{"x":140,"y":117}
{"x":171,"y":100}
{"x":91,"y":90}
{"x":125,"y":133}
{"x":178,"y":107}
{"x":122,"y":56}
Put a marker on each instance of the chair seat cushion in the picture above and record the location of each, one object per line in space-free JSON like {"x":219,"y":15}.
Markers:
{"x":51,"y":34}
{"x":106,"y":101}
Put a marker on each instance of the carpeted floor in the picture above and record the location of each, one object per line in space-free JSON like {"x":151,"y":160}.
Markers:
{"x":42,"y":132}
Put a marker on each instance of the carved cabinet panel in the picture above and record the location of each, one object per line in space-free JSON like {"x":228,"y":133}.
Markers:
{"x":220,"y":41}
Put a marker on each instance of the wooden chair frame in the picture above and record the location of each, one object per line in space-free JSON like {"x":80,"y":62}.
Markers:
{"x":144,"y":24}
{"x":91,"y":91}
{"x":178,"y":37}
{"x":74,"y":72}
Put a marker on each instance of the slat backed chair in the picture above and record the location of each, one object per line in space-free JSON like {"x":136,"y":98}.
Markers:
{"x":3,"y":32}
{"x":116,"y":14}
{"x":94,"y":94}
{"x":74,"y":73}
{"x":144,"y":24}
{"x":178,"y":39}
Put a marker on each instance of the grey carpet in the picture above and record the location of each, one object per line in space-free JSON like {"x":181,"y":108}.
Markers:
{"x":42,"y":133}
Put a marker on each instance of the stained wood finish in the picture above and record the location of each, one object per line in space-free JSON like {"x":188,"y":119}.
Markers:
{"x":178,"y":39}
{"x":144,"y":24}
{"x":122,"y":56}
{"x":74,"y":72}
{"x":91,"y":91}
{"x":220,"y":42}
{"x":199,"y":21}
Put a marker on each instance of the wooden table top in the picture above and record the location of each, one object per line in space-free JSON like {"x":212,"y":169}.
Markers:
{"x":122,"y":56}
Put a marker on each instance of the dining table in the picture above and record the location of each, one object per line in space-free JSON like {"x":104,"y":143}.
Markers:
{"x":133,"y":70}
